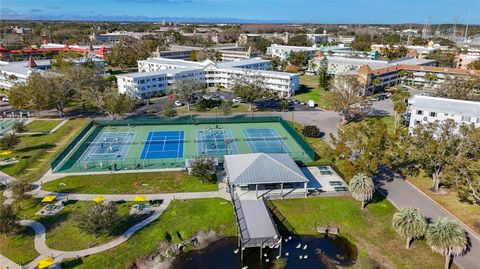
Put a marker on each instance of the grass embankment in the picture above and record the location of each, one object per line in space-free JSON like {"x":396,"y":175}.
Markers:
{"x":179,"y":222}
{"x":19,"y":247}
{"x":371,"y":230}
{"x":466,"y":211}
{"x":157,"y":182}
{"x":35,"y":152}
{"x":309,"y":90}
{"x":41,"y":126}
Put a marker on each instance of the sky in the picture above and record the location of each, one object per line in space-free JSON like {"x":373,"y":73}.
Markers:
{"x":289,"y":11}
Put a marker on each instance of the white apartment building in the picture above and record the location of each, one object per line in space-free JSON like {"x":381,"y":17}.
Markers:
{"x":283,"y":51}
{"x":18,"y":72}
{"x":425,"y":109}
{"x":150,"y":80}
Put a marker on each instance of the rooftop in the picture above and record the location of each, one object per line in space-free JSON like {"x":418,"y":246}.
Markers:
{"x":261,"y":168}
{"x":445,"y":105}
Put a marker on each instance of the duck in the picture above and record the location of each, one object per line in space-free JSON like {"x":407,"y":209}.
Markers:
{"x":301,"y":257}
{"x":299,"y":245}
{"x":236,"y":251}
{"x":305,"y":257}
{"x":305,"y":247}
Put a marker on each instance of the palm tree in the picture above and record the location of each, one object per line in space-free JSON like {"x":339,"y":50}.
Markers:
{"x":376,"y":82}
{"x":447,"y":238}
{"x":362,"y":188}
{"x":409,"y":223}
{"x":430,"y":78}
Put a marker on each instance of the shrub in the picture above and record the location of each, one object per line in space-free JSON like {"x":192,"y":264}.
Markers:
{"x":205,"y":104}
{"x":8,"y":219}
{"x":151,"y":111}
{"x":170,"y":112}
{"x":291,"y":69}
{"x":9,"y":141}
{"x":311,"y":131}
{"x":19,"y":127}
{"x":99,"y":219}
{"x":203,"y":168}
{"x":226,"y":107}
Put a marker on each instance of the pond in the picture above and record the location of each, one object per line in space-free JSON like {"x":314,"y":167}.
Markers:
{"x":298,"y":252}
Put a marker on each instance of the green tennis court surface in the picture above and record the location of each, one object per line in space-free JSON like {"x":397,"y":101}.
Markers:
{"x":103,"y":147}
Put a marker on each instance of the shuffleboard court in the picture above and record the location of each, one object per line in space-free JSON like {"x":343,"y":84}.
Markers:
{"x":163,"y":144}
{"x":215,"y":142}
{"x":265,"y":140}
{"x":108,"y":146}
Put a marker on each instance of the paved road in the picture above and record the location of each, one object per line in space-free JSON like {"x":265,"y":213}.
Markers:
{"x":403,"y":194}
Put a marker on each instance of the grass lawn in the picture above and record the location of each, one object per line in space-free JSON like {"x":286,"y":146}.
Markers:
{"x":371,"y":230}
{"x":41,"y":126}
{"x":180,"y":221}
{"x":36,"y":151}
{"x":236,"y":108}
{"x":323,"y":150}
{"x":19,"y":247}
{"x":62,"y":231}
{"x":157,"y":182}
{"x":309,"y":90}
{"x":468,"y":213}
{"x":388,"y":120}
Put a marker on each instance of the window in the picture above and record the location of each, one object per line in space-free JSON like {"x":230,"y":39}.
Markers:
{"x":419,"y":112}
{"x":433,"y":114}
{"x":417,"y":122}
{"x":466,"y":118}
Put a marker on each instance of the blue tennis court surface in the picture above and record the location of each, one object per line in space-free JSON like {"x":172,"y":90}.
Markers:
{"x":215,"y":142}
{"x":108,"y":146}
{"x":165,"y":144}
{"x":265,"y":140}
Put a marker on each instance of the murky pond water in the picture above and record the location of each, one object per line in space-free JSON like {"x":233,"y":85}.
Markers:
{"x":299,"y":252}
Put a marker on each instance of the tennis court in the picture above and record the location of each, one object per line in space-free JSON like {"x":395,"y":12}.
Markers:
{"x":160,"y":143}
{"x":108,"y":146}
{"x":266,"y":140}
{"x":216,"y":142}
{"x":164,"y":144}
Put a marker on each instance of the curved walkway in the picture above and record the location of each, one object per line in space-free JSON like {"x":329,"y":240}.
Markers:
{"x":45,"y":251}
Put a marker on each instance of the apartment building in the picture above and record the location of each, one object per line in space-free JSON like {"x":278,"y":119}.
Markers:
{"x":283,"y":51}
{"x":426,"y":109}
{"x":150,"y":80}
{"x":465,"y":58}
{"x":18,"y":72}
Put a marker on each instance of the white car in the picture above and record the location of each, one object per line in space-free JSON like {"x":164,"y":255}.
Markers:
{"x":178,"y":103}
{"x":5,"y":99}
{"x":237,"y":100}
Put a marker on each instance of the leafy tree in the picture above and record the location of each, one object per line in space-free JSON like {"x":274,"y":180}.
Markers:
{"x":284,"y":105}
{"x":226,"y":107}
{"x":399,"y":100}
{"x":475,"y":65}
{"x":443,"y":58}
{"x":298,"y":58}
{"x":170,"y":111}
{"x":367,"y":151}
{"x":20,"y":190}
{"x":446,"y":238}
{"x":8,"y":219}
{"x":464,"y":171}
{"x":250,"y":90}
{"x":299,"y":40}
{"x":409,"y":223}
{"x":186,"y":90}
{"x":109,"y":100}
{"x":99,"y":219}
{"x":376,"y":82}
{"x":19,"y":127}
{"x":347,"y":96}
{"x":32,"y":95}
{"x":323,"y":80}
{"x":277,"y":63}
{"x":390,"y":52}
{"x":9,"y":141}
{"x":362,"y":188}
{"x":434,"y":147}
{"x":203,"y":168}
{"x":121,"y":56}
{"x":311,"y":131}
{"x":261,"y":44}
{"x":362,"y":42}
{"x":462,"y":87}
{"x":430,"y":78}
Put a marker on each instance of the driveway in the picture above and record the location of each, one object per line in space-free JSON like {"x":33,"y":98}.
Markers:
{"x":403,"y":194}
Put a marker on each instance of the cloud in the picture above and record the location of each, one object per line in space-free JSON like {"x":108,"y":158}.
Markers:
{"x":8,"y":12}
{"x":35,"y":10}
{"x":52,"y":7}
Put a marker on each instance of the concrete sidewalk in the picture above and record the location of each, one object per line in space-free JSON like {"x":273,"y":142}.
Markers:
{"x":403,"y":194}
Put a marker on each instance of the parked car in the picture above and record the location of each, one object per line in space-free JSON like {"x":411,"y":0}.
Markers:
{"x":237,"y":100}
{"x":178,"y":103}
{"x":5,"y":99}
